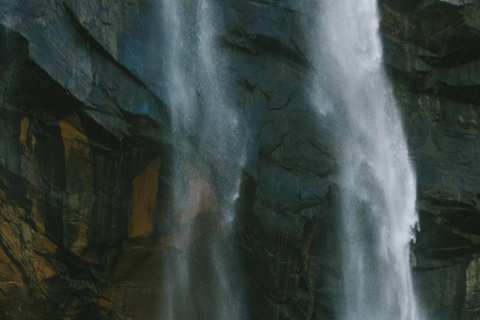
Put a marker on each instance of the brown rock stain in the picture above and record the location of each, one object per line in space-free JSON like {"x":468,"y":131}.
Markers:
{"x":472,"y":283}
{"x":128,"y":260}
{"x":81,"y":240}
{"x":27,"y":138}
{"x":42,"y":267}
{"x":24,"y":130}
{"x":200,"y":199}
{"x":73,"y":137}
{"x":37,"y":215}
{"x":9,"y":229}
{"x":145,"y":188}
{"x":27,"y":250}
{"x":90,"y":255}
{"x":106,"y":303}
{"x":8,"y":272}
{"x":78,"y":181}
{"x":3,"y":194}
{"x":115,"y":296}
{"x":44,"y":245}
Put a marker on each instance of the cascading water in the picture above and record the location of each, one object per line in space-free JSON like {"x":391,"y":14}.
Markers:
{"x":207,"y":133}
{"x":377,"y":183}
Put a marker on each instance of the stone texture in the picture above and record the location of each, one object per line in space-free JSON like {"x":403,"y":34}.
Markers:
{"x":86,"y":223}
{"x":436,"y":84}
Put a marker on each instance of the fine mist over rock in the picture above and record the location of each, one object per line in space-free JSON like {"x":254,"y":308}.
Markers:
{"x":88,"y":165}
{"x":431,"y":51}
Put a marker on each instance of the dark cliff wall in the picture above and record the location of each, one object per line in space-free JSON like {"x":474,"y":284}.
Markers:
{"x":86,"y":160}
{"x":432,"y":55}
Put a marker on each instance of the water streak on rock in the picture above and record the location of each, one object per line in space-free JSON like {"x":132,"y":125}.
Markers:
{"x":207,"y":162}
{"x":377,"y":182}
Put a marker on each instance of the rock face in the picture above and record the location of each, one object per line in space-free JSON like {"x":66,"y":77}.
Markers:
{"x":431,"y":49}
{"x":86,"y":222}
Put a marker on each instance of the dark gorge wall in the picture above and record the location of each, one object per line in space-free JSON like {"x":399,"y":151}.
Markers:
{"x":432,"y":55}
{"x":86,"y":223}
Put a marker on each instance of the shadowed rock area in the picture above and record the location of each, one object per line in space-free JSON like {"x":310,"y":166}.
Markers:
{"x":86,"y":222}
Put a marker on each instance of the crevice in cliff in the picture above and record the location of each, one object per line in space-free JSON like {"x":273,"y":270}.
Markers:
{"x":257,"y":44}
{"x":456,"y":54}
{"x":21,"y":269}
{"x":426,"y":83}
{"x":16,"y":186}
{"x":438,"y":239}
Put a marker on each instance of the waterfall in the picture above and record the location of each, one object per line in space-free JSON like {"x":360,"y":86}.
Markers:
{"x":376,"y":179}
{"x":208,"y":160}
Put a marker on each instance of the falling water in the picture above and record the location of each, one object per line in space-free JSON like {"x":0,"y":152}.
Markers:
{"x":377,"y":183}
{"x":207,"y":135}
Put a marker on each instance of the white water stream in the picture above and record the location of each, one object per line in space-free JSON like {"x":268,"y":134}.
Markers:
{"x":202,"y":114}
{"x":377,"y":183}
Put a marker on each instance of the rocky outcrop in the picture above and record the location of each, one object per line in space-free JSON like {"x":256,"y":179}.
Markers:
{"x":86,"y":223}
{"x":72,"y":205}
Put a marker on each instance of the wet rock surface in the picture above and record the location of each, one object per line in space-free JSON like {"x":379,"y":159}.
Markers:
{"x":86,"y":222}
{"x":431,"y":50}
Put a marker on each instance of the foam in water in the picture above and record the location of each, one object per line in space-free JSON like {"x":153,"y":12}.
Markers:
{"x":206,"y":124}
{"x":377,"y":182}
